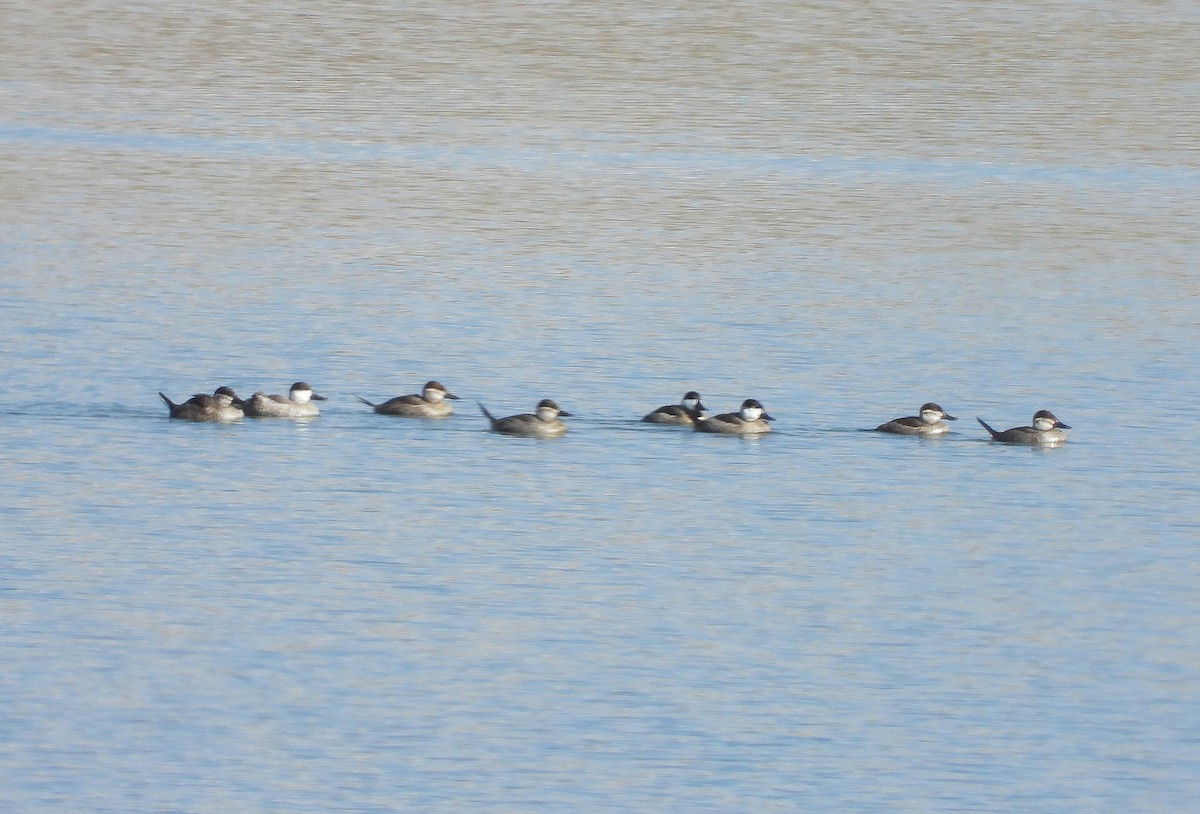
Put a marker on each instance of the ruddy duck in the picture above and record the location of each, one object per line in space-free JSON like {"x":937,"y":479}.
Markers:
{"x":1046,"y":431}
{"x":542,"y":423}
{"x":750,"y":420}
{"x":928,"y":421}
{"x":223,"y":405}
{"x":684,"y":413}
{"x":427,"y":404}
{"x":298,"y":403}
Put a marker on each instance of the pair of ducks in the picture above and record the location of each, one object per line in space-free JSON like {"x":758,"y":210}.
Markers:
{"x":546,"y":421}
{"x":751,"y":419}
{"x":930,"y":421}
{"x":430,"y":403}
{"x":224,"y":405}
{"x":1047,"y":430}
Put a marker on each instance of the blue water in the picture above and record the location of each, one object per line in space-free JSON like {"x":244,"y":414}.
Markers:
{"x":361,"y":613}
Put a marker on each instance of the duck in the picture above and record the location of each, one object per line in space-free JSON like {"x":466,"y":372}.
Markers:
{"x":683,"y":414}
{"x":298,"y":403}
{"x":429,"y":403}
{"x":222,"y":406}
{"x":1047,"y":430}
{"x":929,"y":420}
{"x":751,"y":419}
{"x":544,"y":422}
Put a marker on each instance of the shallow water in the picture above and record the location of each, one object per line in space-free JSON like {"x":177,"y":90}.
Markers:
{"x":841,"y":210}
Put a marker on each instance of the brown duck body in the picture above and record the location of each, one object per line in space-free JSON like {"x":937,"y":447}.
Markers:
{"x":750,"y":420}
{"x":544,"y":423}
{"x":928,"y":421}
{"x":1046,"y":431}
{"x":222,"y":406}
{"x":684,"y":414}
{"x":298,"y":403}
{"x":429,"y":403}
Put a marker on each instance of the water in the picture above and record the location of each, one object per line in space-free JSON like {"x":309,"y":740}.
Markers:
{"x":842,"y":210}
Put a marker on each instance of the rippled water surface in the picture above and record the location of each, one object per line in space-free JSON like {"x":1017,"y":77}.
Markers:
{"x":841,"y":209}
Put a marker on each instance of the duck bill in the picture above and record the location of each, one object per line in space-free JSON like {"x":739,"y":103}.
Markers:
{"x":766,"y":417}
{"x":1062,"y":426}
{"x":315,"y":397}
{"x":949,"y":417}
{"x":451,"y":396}
{"x":563,"y":414}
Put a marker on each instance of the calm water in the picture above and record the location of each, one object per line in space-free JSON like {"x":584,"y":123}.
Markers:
{"x":841,"y":209}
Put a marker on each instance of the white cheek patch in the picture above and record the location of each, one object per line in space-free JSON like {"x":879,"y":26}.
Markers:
{"x":931,"y":417}
{"x":751,"y":413}
{"x":434,"y":396}
{"x":301,"y":396}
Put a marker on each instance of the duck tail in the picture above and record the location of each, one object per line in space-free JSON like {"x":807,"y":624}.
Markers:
{"x":484,"y":410}
{"x":984,"y":424}
{"x":364,"y":401}
{"x":172,"y":408}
